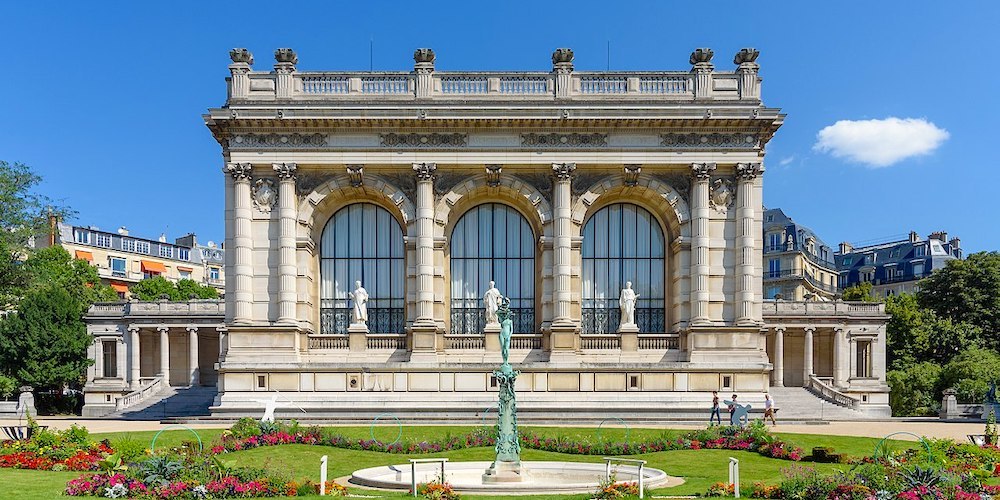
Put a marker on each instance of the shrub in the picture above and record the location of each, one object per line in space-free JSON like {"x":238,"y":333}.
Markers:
{"x":245,"y":427}
{"x":7,"y":387}
{"x":914,"y":389}
{"x":970,"y":373}
{"x":128,"y":448}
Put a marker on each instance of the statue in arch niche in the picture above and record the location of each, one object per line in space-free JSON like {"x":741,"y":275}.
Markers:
{"x":492,"y":299}
{"x":626,"y":301}
{"x":360,"y":298}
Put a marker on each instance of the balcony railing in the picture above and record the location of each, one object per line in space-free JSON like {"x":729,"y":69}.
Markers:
{"x":335,"y":320}
{"x":785,"y":308}
{"x":205,"y":307}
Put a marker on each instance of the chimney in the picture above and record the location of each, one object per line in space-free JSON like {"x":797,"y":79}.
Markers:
{"x":914,"y":237}
{"x":955,"y":243}
{"x":53,"y":227}
{"x":939,"y":235}
{"x":845,"y":248}
{"x":188,"y":240}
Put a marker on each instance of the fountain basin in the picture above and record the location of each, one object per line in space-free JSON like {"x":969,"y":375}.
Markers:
{"x":540,"y":477}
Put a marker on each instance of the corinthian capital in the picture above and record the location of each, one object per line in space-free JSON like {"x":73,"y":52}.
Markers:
{"x":702,"y":171}
{"x":563,"y":171}
{"x":285,"y":170}
{"x":239,"y":171}
{"x":425,"y":171}
{"x":749,"y":171}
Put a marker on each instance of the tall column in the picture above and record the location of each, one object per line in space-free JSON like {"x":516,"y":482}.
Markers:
{"x":286,"y":242}
{"x":242,"y":265}
{"x":839,"y":356}
{"x":749,"y":253}
{"x":424,"y":327}
{"x":701,"y":172}
{"x":194,"y":377}
{"x":807,"y":356}
{"x":164,"y":353}
{"x":562,"y":251}
{"x":779,"y":357}
{"x":133,"y":350}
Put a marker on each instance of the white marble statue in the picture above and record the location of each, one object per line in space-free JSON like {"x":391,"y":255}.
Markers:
{"x":360,"y":298}
{"x":627,"y":304}
{"x":272,"y":404}
{"x":492,"y":299}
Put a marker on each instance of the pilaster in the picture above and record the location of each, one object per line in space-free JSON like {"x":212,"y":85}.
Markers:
{"x":423,"y":67}
{"x":839,"y":356}
{"x":239,"y":83}
{"x":807,"y":356}
{"x":286,"y":242}
{"x":747,"y":69}
{"x":283,"y":69}
{"x":746,"y":236}
{"x":700,"y":172}
{"x":164,"y":353}
{"x":701,"y":72}
{"x":242,"y":258}
{"x":562,"y":66}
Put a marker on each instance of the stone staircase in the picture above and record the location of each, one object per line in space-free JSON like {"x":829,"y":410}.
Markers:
{"x":171,"y":402}
{"x":797,"y":403}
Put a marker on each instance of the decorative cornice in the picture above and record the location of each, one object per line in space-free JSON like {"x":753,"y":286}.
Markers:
{"x":702,"y":171}
{"x":563,"y":171}
{"x":749,"y":171}
{"x":239,"y":171}
{"x":493,"y":172}
{"x":394,"y":140}
{"x":632,"y":174}
{"x":425,"y":171}
{"x":295,"y":140}
{"x":564,"y":140}
{"x":709,"y":141}
{"x":285,"y":170}
{"x":357,"y":173}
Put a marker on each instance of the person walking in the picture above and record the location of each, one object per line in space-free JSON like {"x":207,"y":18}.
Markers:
{"x":732,"y":410}
{"x":769,"y":409}
{"x":716,"y":411}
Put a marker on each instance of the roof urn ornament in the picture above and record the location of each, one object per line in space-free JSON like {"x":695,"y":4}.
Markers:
{"x":241,"y":55}
{"x":424,"y":56}
{"x":562,"y":56}
{"x":701,"y":56}
{"x":746,"y":55}
{"x":286,"y":55}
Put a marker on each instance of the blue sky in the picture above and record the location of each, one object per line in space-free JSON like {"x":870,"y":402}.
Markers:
{"x":105,"y":101}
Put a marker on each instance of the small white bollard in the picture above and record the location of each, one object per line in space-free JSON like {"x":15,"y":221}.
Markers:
{"x":322,"y":475}
{"x":734,"y":476}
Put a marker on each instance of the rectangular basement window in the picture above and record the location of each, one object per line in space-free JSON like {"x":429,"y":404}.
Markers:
{"x":261,"y":382}
{"x":727,"y":381}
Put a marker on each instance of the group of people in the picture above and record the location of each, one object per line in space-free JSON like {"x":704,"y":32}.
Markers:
{"x":738,"y":411}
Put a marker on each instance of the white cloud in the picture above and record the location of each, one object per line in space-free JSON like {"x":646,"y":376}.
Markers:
{"x":787,"y":160}
{"x":880,"y":143}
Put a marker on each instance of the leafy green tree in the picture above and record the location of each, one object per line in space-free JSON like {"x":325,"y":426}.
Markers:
{"x":13,"y":277}
{"x":860,"y":292}
{"x":154,"y":288}
{"x":970,"y":373}
{"x":44,"y":343}
{"x":54,"y":265}
{"x":914,"y":389}
{"x":188,"y":289}
{"x":23,"y":212}
{"x":967,"y":291}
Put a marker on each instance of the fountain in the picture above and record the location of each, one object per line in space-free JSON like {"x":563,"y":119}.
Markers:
{"x":507,"y":474}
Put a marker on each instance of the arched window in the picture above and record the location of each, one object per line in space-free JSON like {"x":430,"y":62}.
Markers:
{"x":623,"y":242}
{"x":492,"y":242}
{"x":362,"y":242}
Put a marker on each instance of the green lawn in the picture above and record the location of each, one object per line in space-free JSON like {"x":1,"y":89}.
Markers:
{"x":699,"y":468}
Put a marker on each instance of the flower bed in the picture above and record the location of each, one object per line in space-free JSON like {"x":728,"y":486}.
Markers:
{"x":70,"y":449}
{"x":754,"y":438}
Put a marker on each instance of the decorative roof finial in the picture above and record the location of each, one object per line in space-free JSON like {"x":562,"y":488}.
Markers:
{"x":562,"y":56}
{"x":746,"y":55}
{"x":241,"y":55}
{"x":702,"y":55}
{"x":286,"y":56}
{"x":424,"y":56}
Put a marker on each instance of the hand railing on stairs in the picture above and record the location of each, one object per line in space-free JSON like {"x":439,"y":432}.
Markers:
{"x":147,"y":387}
{"x":827,"y":392}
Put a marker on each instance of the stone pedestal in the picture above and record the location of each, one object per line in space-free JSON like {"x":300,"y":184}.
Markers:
{"x":630,"y":337}
{"x":357,"y":336}
{"x":506,"y":468}
{"x":492,"y":337}
{"x":505,"y":472}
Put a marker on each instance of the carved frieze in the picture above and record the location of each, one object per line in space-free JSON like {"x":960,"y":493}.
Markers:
{"x":722,"y":195}
{"x":573,"y":140}
{"x":714,"y":140}
{"x":415,"y":140}
{"x":264,"y":195}
{"x":277,"y":141}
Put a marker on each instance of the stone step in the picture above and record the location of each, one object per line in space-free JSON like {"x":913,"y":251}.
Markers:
{"x":172,"y":402}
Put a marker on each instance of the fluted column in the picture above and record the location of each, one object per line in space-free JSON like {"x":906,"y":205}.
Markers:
{"x":779,"y":357}
{"x":425,"y":242}
{"x":562,"y":66}
{"x":164,"y":353}
{"x":746,"y":208}
{"x":133,"y":351}
{"x":194,"y":377}
{"x":239,"y":84}
{"x":807,"y":356}
{"x":423,"y":67}
{"x":285,"y":61}
{"x":562,"y":254}
{"x":286,"y":242}
{"x":701,"y":72}
{"x":242,"y":283}
{"x":839,"y":356}
{"x":701,"y":172}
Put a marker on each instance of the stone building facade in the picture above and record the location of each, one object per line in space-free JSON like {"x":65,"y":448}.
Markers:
{"x":896,"y":267}
{"x":560,"y":186}
{"x":798,"y":265}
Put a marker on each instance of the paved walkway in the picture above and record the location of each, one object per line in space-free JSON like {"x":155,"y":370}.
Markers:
{"x":868,"y":428}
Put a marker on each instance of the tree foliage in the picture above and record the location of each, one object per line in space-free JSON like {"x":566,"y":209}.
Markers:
{"x":54,"y":266}
{"x":970,"y":373}
{"x":967,"y":291}
{"x":158,"y":287}
{"x":23,"y":212}
{"x":44,"y":343}
{"x":914,"y":389}
{"x":861,"y":292}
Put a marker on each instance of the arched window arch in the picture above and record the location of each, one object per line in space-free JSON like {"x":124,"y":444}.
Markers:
{"x":492,"y":242}
{"x":363,"y":242}
{"x":623,"y":242}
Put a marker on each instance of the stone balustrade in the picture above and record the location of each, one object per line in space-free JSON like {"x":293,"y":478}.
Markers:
{"x":785,"y":308}
{"x":702,"y":82}
{"x":207,"y":307}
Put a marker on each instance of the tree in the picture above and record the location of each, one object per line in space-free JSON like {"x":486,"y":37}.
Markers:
{"x":54,"y":266}
{"x":23,"y":213}
{"x":970,"y":373}
{"x":44,"y":343}
{"x":861,"y":292}
{"x":967,"y":291}
{"x":914,"y":389}
{"x":158,"y":287}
